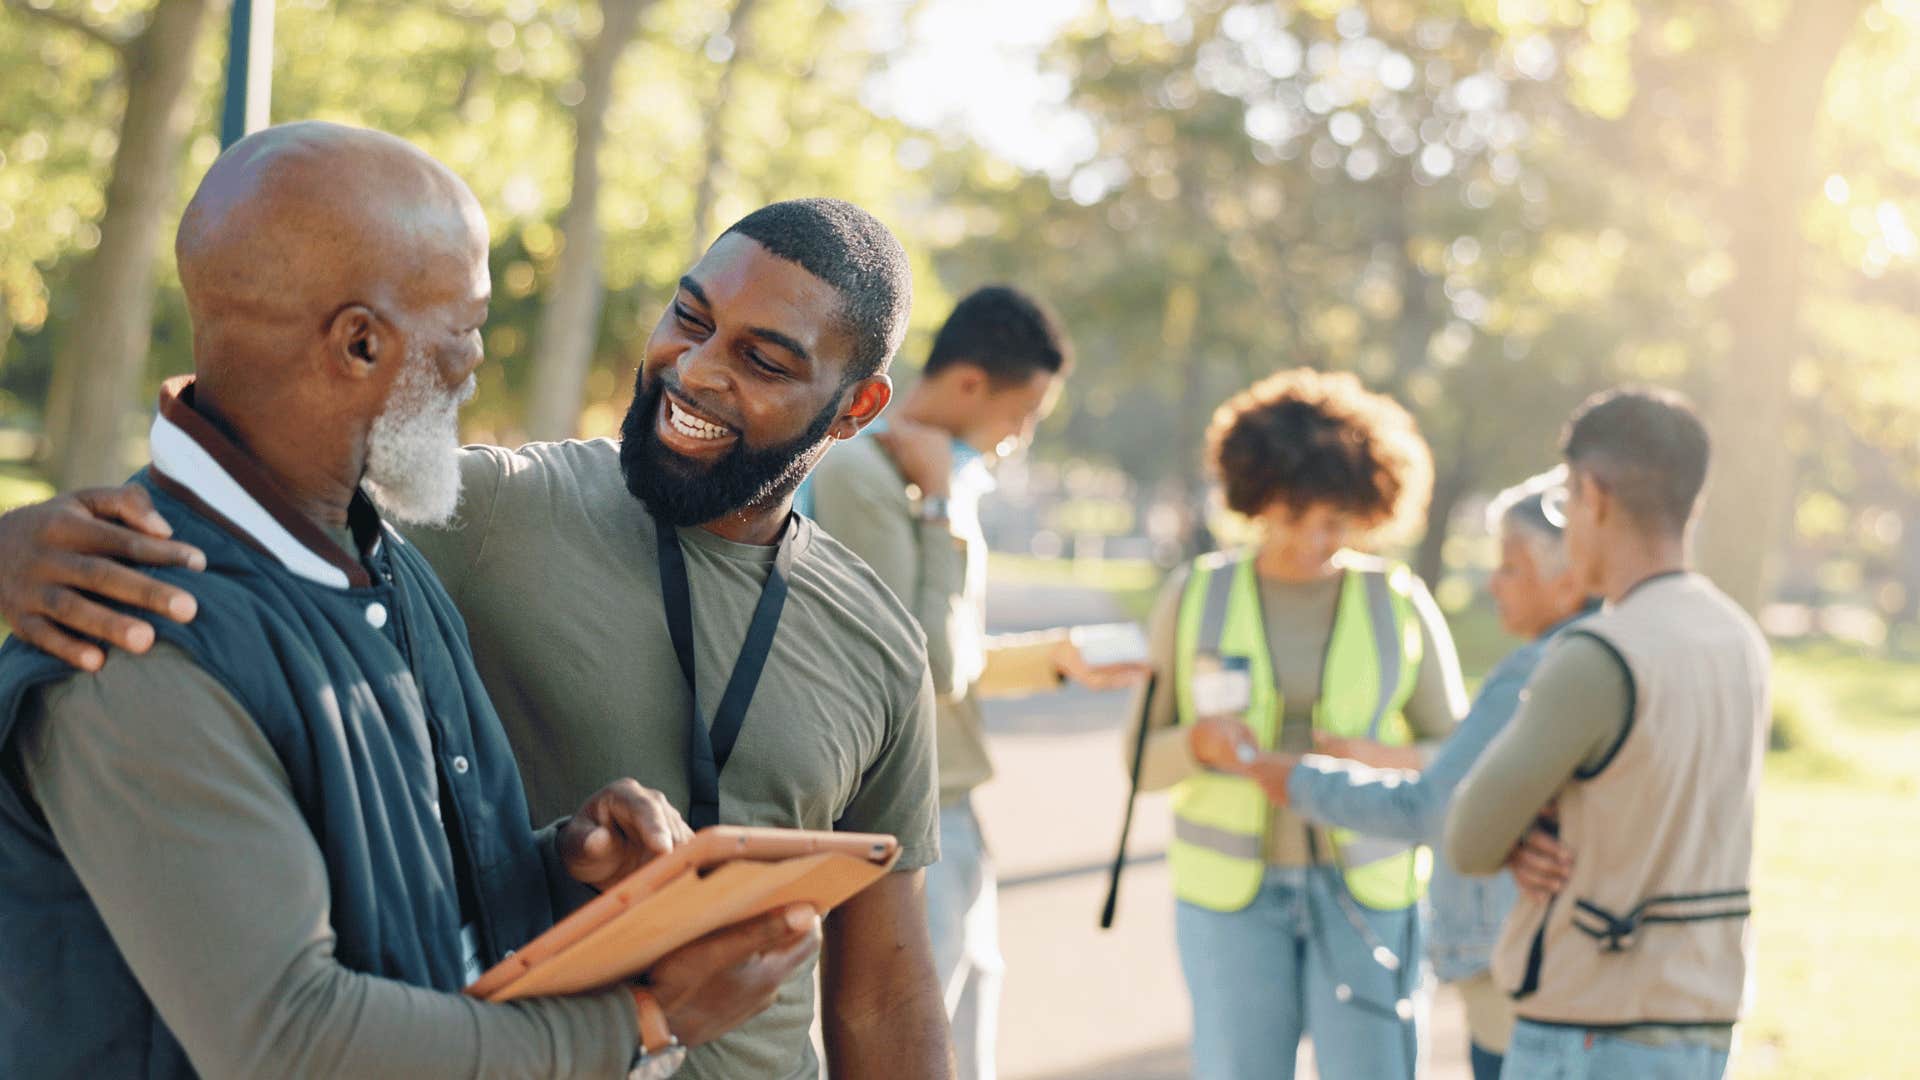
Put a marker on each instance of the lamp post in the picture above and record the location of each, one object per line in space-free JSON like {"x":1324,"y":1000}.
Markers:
{"x":249,"y":71}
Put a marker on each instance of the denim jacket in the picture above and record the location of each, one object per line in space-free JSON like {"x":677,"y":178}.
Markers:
{"x":1467,"y":913}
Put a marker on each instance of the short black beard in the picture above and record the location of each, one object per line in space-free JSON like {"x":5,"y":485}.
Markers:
{"x":682,"y":493}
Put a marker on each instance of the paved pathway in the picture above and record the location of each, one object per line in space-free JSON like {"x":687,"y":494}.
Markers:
{"x":1080,"y":1003}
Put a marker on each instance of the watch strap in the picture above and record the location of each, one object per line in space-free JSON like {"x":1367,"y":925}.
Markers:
{"x":935,"y":508}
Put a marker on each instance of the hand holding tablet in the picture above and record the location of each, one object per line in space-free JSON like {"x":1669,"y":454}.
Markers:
{"x":722,"y":876}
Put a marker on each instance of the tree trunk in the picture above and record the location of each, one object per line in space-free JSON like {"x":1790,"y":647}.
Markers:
{"x":100,"y":363}
{"x":1429,"y":560}
{"x":707,"y":193}
{"x":1417,"y":320}
{"x":1750,"y":488}
{"x":1455,"y":475}
{"x":569,"y":323}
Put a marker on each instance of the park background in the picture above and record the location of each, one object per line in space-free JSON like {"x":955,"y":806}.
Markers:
{"x":1487,"y":208}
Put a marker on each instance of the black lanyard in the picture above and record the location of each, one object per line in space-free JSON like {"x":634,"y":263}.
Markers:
{"x":709,"y":748}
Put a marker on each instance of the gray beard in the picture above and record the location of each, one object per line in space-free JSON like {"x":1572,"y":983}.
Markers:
{"x":413,"y":459}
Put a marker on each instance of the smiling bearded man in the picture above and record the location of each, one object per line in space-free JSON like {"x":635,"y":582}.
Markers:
{"x":572,"y":560}
{"x":676,"y":488}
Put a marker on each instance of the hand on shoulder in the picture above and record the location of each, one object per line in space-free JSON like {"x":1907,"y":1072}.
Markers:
{"x":922,"y":453}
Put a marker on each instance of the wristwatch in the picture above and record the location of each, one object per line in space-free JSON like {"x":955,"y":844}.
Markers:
{"x":935,"y":508}
{"x":660,"y":1054}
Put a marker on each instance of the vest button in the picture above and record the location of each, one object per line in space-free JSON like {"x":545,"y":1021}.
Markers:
{"x":376,"y":614}
{"x":460,"y":765}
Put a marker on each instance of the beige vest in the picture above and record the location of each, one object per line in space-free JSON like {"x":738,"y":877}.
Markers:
{"x":1653,"y":925}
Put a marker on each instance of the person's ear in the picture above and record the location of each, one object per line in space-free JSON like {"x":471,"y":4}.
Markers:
{"x":868,"y":400}
{"x":358,"y":341}
{"x":1598,"y":500}
{"x":970,"y":380}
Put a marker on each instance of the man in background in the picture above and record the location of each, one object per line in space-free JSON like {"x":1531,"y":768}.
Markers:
{"x":907,"y":500}
{"x":1644,"y":730}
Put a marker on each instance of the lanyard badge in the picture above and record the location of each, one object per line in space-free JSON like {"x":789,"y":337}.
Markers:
{"x":710,"y":747}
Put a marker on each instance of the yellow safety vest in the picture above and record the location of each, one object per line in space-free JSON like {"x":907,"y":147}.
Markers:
{"x":1218,"y":853}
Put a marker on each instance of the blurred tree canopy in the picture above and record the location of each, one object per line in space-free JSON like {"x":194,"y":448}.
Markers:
{"x":491,"y":88}
{"x":1489,"y":208}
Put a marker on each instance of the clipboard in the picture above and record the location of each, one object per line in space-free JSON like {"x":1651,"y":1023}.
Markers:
{"x":724,"y":875}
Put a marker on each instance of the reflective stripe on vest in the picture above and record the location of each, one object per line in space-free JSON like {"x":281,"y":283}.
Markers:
{"x":1373,"y":657}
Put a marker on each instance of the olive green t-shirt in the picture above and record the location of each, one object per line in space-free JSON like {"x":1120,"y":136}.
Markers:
{"x":553,"y":563}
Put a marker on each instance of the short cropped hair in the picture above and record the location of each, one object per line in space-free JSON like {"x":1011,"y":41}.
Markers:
{"x":1647,"y":447}
{"x":1521,"y":511}
{"x":1302,"y":437}
{"x":1003,"y":331}
{"x":849,"y":249}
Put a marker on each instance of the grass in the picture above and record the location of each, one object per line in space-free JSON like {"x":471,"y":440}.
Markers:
{"x":1839,"y":960}
{"x":1837,"y":860}
{"x":1838,"y":869}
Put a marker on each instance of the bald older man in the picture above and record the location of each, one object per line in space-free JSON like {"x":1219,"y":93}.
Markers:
{"x":280,"y":841}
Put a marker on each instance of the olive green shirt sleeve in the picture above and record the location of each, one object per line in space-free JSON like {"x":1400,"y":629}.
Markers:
{"x":1166,"y":759}
{"x":900,"y":792}
{"x":1571,"y":715}
{"x":180,"y":821}
{"x":1439,"y":692}
{"x":864,"y":506}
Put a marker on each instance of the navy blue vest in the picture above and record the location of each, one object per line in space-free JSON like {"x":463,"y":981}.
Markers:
{"x":369,"y":696}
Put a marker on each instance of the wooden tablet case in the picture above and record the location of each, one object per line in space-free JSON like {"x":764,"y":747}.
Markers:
{"x":722,"y":876}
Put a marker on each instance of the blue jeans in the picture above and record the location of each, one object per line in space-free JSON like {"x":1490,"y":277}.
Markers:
{"x":963,"y":917}
{"x":1549,"y":1052}
{"x":1262,"y":977}
{"x":1486,"y":1063}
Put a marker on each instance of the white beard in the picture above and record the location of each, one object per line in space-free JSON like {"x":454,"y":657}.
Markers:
{"x":413,"y":460}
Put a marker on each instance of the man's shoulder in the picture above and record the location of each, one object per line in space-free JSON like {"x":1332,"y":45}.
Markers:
{"x":1519,"y":665}
{"x":1587,"y":654}
{"x":849,"y":590}
{"x":538,"y":483}
{"x":127,"y":686}
{"x":1739,"y":624}
{"x":861,"y":466}
{"x":576,"y":460}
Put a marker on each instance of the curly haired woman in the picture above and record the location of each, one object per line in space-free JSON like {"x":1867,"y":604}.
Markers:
{"x":1287,"y":929}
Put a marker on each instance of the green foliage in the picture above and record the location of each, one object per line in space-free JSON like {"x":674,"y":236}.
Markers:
{"x":1485,"y":208}
{"x":486,"y":86}
{"x":1386,"y":188}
